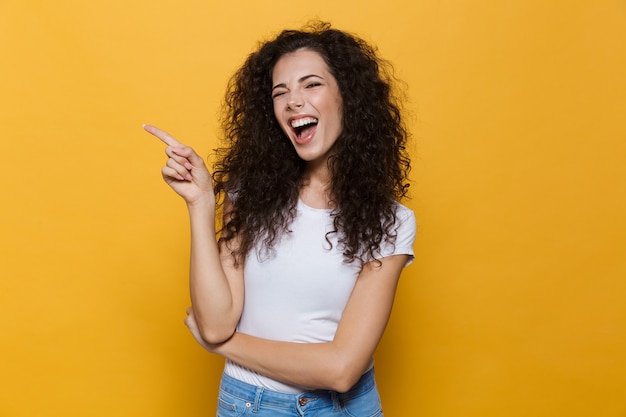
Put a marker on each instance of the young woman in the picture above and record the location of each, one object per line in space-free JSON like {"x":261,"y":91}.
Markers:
{"x":298,"y":289}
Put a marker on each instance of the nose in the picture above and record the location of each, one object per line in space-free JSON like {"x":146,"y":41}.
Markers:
{"x":294,"y":101}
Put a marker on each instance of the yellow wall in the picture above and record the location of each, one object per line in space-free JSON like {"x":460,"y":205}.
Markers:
{"x":515,"y":304}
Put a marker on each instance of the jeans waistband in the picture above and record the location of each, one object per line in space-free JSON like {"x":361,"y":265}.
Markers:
{"x":259,"y":396}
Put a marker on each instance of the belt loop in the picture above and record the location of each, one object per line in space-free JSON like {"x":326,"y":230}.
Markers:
{"x":335,"y":397}
{"x":257,"y":399}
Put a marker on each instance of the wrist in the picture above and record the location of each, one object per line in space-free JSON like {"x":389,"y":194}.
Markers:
{"x":204,"y":202}
{"x":202,"y":211}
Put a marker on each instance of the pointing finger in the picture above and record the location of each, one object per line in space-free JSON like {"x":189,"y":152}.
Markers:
{"x":162,"y":135}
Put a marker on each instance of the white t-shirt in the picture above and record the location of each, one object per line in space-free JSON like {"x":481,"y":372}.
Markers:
{"x":297,"y":293}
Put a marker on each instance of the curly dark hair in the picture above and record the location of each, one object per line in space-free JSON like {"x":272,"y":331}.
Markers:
{"x":369,"y":165}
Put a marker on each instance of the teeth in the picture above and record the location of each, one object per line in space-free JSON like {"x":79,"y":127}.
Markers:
{"x":303,"y":121}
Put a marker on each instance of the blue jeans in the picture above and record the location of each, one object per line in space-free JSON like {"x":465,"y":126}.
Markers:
{"x":238,"y":399}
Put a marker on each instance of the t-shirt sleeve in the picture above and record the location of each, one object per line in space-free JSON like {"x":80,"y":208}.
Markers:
{"x":405,"y":235}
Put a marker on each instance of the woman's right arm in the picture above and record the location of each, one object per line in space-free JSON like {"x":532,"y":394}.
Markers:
{"x":215,"y":282}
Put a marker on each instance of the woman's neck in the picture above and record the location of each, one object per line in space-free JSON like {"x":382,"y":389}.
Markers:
{"x":315,"y":190}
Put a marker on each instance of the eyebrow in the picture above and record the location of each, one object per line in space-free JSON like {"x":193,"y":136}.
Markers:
{"x":301,"y":80}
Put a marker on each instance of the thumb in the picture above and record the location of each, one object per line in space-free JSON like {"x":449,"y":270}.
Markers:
{"x":186,"y":152}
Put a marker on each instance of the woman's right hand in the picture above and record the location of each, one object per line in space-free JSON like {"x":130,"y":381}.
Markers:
{"x":184,"y":171}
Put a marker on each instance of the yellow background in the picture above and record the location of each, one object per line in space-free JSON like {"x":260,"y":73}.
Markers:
{"x":515,"y":304}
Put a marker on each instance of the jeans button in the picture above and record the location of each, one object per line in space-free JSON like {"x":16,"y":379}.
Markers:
{"x":302,"y":402}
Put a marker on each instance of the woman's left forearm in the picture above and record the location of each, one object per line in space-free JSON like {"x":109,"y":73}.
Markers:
{"x":311,"y":365}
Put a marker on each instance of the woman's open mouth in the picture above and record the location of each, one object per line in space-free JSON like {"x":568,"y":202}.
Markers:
{"x":304,"y":128}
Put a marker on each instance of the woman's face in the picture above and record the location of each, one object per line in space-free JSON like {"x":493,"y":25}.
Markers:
{"x":307,"y":103}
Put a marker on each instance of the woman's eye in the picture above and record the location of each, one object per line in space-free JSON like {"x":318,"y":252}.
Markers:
{"x":278,"y":94}
{"x":312,"y":85}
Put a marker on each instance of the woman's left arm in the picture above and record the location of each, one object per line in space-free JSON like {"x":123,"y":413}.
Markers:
{"x":335,"y":365}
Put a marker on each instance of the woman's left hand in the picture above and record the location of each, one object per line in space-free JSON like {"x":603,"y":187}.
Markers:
{"x":192,"y":325}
